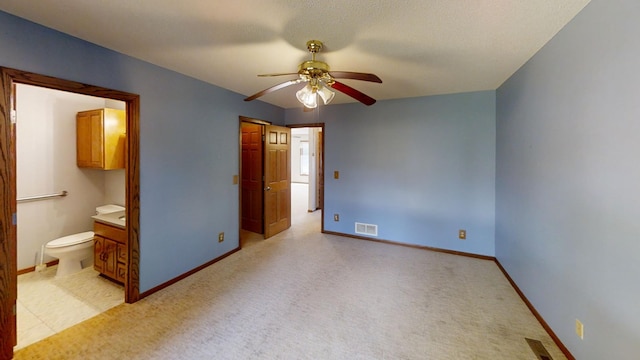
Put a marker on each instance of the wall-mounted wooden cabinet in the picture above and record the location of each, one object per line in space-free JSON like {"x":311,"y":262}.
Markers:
{"x":110,"y":251}
{"x":101,"y":139}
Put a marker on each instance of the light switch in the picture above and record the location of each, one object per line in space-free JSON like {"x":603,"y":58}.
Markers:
{"x":336,"y":174}
{"x":579,"y":329}
{"x":235,"y":179}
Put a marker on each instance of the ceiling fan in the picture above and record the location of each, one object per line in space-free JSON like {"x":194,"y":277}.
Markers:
{"x":319,"y":78}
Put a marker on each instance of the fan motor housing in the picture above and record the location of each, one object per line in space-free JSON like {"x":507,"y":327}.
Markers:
{"x":313,"y":68}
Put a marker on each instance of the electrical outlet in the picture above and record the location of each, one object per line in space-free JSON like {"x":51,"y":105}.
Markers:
{"x":462,"y":234}
{"x":221,"y":237}
{"x":579,"y":329}
{"x":336,"y":217}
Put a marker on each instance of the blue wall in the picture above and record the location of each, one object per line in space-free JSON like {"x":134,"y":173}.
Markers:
{"x":568,"y":180}
{"x":419,"y":168}
{"x":188,"y":144}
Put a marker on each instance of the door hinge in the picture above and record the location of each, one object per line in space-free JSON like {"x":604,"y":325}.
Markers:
{"x":13,"y":116}
{"x":15,"y":311}
{"x":264,"y":138}
{"x":14,"y":219}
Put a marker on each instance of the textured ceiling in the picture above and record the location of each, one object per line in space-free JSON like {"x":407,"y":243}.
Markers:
{"x":417,"y":47}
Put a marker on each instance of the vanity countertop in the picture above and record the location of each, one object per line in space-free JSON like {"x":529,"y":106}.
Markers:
{"x":116,"y":219}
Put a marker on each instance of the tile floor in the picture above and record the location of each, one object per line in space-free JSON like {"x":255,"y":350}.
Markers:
{"x":47,"y":305}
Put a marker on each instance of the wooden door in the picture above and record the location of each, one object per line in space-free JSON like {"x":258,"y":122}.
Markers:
{"x":277,"y":173}
{"x":320,"y":170}
{"x":252,"y":185}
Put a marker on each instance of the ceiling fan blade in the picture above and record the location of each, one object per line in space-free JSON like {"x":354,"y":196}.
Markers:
{"x":272,"y":89}
{"x":277,"y":74}
{"x":355,"y":76}
{"x":363,"y":98}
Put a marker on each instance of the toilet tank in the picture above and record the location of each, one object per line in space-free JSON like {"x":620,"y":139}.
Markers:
{"x":108,"y":209}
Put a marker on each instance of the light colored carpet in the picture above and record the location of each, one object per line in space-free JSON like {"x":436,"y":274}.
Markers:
{"x":307,"y":295}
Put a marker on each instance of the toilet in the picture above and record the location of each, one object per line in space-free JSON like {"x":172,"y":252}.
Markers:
{"x":70,"y":251}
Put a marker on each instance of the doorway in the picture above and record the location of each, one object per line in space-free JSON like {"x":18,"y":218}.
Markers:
{"x":307,"y":163}
{"x":265,"y":175}
{"x":8,"y":248}
{"x":255,"y":186}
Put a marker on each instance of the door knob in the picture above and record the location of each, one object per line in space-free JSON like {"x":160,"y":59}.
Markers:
{"x":267,"y":188}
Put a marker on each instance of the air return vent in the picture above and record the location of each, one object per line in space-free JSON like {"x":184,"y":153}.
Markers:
{"x":366,"y":229}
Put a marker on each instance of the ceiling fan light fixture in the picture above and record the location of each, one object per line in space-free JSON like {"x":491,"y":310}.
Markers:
{"x":326,"y":94}
{"x":319,"y":78}
{"x":307,"y":96}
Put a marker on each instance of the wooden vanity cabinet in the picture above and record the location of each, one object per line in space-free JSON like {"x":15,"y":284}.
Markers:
{"x":101,"y":139}
{"x":121,"y":263}
{"x":110,"y":251}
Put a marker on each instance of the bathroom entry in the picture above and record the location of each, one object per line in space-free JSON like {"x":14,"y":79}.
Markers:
{"x":57,"y":194}
{"x":8,"y":206}
{"x":46,"y":166}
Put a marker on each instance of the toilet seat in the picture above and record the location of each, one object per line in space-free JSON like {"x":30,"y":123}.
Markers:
{"x":71,"y":240}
